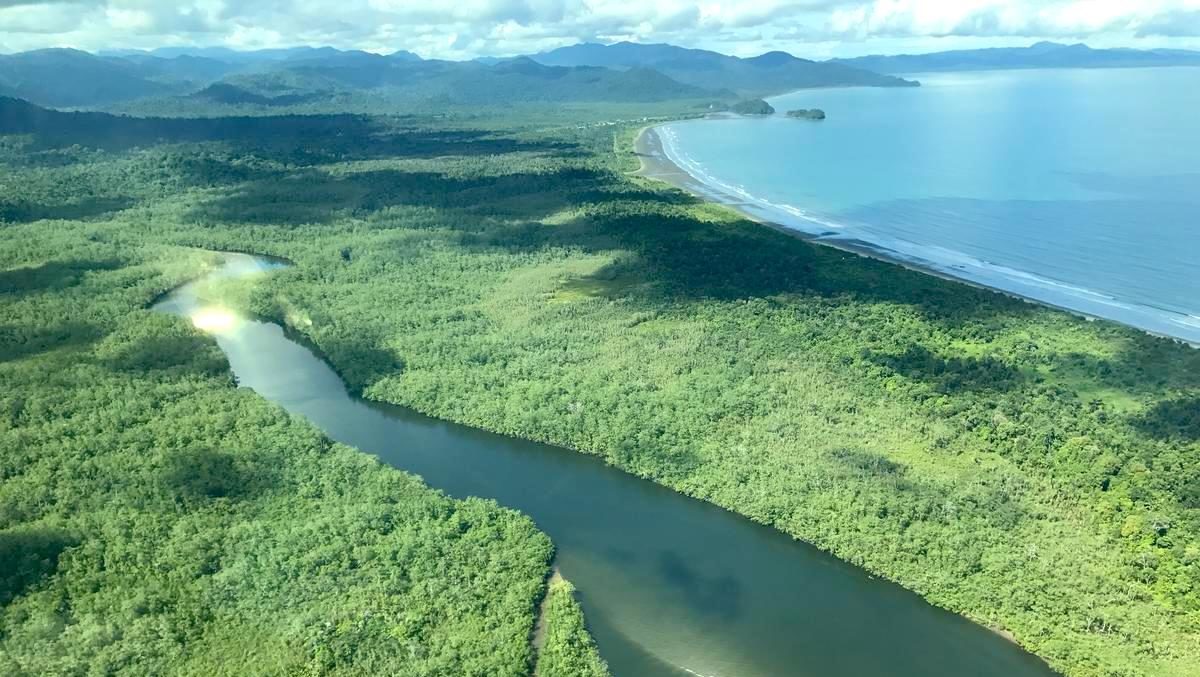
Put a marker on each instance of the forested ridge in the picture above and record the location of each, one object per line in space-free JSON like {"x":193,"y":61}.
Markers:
{"x":1032,"y":470}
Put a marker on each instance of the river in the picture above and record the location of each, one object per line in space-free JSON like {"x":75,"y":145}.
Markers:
{"x":670,"y":585}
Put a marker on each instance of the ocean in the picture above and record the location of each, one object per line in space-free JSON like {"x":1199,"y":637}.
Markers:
{"x":1076,"y":188}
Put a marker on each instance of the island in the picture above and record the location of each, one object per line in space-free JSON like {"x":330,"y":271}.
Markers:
{"x":807,"y":114}
{"x":752,"y":107}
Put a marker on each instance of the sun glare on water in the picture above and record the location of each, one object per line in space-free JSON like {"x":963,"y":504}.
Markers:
{"x":214,"y":320}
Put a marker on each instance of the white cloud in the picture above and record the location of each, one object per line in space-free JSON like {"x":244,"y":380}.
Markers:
{"x":467,"y":28}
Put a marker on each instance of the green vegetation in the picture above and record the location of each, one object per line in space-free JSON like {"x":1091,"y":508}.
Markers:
{"x":334,"y":81}
{"x":328,"y":80}
{"x":567,"y":649}
{"x":68,"y":77}
{"x":762,"y":75}
{"x":156,"y":520}
{"x":1032,"y":470}
{"x":807,"y":114}
{"x":752,"y":107}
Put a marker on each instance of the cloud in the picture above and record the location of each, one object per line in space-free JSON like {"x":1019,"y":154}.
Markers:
{"x":467,"y":28}
{"x":996,"y":18}
{"x":4,"y":4}
{"x":1177,"y":24}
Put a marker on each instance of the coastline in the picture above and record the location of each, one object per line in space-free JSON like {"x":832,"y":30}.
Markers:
{"x":656,"y":165}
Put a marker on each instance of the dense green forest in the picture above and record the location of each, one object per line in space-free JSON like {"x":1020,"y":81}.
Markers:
{"x":331,"y":80}
{"x":156,"y":520}
{"x":567,"y":649}
{"x":1032,"y":470}
{"x":762,"y":75}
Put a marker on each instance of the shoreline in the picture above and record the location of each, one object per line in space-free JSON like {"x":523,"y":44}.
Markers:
{"x":657,"y":166}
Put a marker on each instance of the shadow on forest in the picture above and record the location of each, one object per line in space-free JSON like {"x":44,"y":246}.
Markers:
{"x":912,"y":499}
{"x":22,"y":212}
{"x":315,"y":196}
{"x":203,"y":474}
{"x":719,"y":596}
{"x":152,"y":352}
{"x":685,"y":258}
{"x":27,"y":556}
{"x":867,"y":463}
{"x":1143,"y":366}
{"x":1174,"y":419}
{"x":688,"y":258}
{"x":295,"y":139}
{"x":364,"y":361}
{"x":19,"y":342}
{"x":52,"y":275}
{"x":950,"y":375}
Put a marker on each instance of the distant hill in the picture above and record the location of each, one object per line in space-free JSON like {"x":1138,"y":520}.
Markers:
{"x":289,"y":77}
{"x":72,"y":78}
{"x":324,"y":78}
{"x":1040,"y":55}
{"x":68,"y":77}
{"x":232,"y":95}
{"x":300,"y":135}
{"x":182,"y":69}
{"x":770,"y":73}
{"x":527,"y":80}
{"x":457,"y":82}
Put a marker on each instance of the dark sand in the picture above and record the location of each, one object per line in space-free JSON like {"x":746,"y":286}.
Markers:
{"x":656,"y":165}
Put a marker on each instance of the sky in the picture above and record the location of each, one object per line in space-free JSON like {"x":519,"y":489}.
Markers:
{"x":463,"y":29}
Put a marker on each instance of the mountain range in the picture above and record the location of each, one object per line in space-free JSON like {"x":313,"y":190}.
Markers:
{"x":588,"y":72}
{"x":618,"y":73}
{"x":1039,"y":55}
{"x":766,"y":74}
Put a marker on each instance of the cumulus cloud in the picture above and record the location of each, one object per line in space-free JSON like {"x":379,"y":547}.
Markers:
{"x":1176,"y":24}
{"x":467,"y":28}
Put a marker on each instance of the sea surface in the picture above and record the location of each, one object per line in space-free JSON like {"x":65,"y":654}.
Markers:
{"x":1077,"y":188}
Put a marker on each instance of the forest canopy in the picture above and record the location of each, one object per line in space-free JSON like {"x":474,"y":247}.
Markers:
{"x":154,"y":519}
{"x":1024,"y":467}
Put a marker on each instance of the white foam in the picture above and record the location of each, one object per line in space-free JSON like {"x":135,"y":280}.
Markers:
{"x":671,"y":149}
{"x":1190,"y":321}
{"x":941,"y":259}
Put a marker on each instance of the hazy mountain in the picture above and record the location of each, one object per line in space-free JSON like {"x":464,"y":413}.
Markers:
{"x":184,"y":68}
{"x":527,"y":79}
{"x":770,"y":73}
{"x":468,"y":82}
{"x":1040,"y":55}
{"x":58,"y":129}
{"x":232,"y":95}
{"x":258,"y":56}
{"x":623,"y":72}
{"x":68,"y":77}
{"x":243,"y":57}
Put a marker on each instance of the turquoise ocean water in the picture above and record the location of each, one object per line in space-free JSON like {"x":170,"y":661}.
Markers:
{"x":1078,"y":188}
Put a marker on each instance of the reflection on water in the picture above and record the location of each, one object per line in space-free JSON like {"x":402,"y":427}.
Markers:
{"x":214,"y":320}
{"x":671,"y":586}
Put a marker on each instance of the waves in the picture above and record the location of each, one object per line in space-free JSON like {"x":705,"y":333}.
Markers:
{"x":857,"y":234}
{"x":727,"y":192}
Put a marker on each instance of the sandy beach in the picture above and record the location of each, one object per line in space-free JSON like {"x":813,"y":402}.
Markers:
{"x":655,"y":164}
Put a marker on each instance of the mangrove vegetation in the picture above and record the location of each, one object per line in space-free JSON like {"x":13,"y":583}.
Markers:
{"x":1034,"y":471}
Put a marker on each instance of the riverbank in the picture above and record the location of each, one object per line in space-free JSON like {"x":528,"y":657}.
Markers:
{"x":587,"y":507}
{"x":655,"y":164}
{"x":1005,"y":461}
